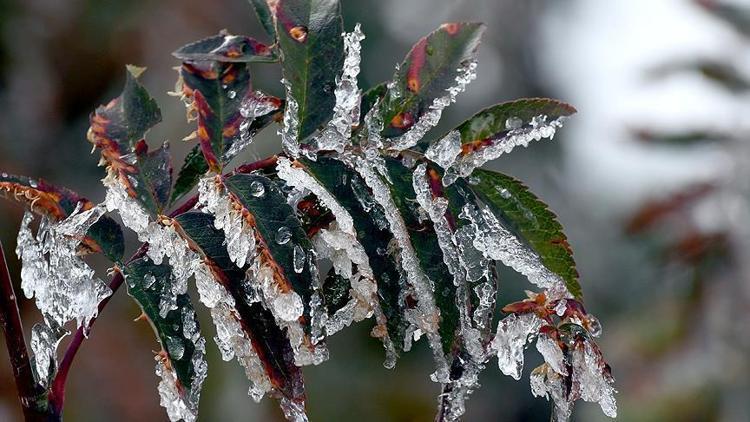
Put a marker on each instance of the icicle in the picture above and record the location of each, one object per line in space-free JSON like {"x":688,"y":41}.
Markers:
{"x":346,"y":110}
{"x":238,"y":233}
{"x":590,"y":377}
{"x":510,"y":341}
{"x":44,"y":342}
{"x":445,"y":151}
{"x":546,"y":382}
{"x":457,"y":391}
{"x":428,"y":120}
{"x":426,"y":316}
{"x":169,"y":394}
{"x":499,"y":244}
{"x":539,"y":128}
{"x":64,"y":286}
{"x":290,"y":127}
{"x":552,"y":353}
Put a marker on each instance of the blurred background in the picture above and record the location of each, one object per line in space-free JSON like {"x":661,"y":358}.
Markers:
{"x":650,"y":179}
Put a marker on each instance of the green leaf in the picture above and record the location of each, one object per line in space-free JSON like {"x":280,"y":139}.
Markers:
{"x":268,"y":339}
{"x":309,"y":35}
{"x":146,"y":283}
{"x":271,"y":217}
{"x":532,"y":221}
{"x":426,"y":245}
{"x":227,"y":48}
{"x":428,"y":70}
{"x":153,"y":180}
{"x":265,"y":16}
{"x":351,"y":191}
{"x":104,"y":236}
{"x":491,"y":123}
{"x":117,"y":126}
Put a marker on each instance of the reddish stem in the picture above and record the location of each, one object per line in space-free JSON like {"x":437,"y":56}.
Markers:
{"x":30,"y":394}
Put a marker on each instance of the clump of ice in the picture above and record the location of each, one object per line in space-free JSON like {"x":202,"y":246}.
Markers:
{"x":445,"y":151}
{"x":290,"y":125}
{"x":255,"y":105}
{"x":510,"y":340}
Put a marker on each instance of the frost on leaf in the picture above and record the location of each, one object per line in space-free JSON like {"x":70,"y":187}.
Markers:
{"x":64,"y":286}
{"x":510,"y":341}
{"x":336,"y":135}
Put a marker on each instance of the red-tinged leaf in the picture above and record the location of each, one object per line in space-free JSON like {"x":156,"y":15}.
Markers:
{"x":429,"y":69}
{"x":228,"y":49}
{"x":105,"y":236}
{"x":656,"y":211}
{"x":531,"y":221}
{"x":218,"y":91}
{"x":309,"y":35}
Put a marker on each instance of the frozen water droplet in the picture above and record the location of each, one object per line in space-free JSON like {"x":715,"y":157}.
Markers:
{"x":474,"y":180}
{"x":257,"y":189}
{"x":445,"y":151}
{"x":504,"y":193}
{"x":283,"y":235}
{"x":231,"y":94}
{"x":299,"y":259}
{"x":175,"y":347}
{"x":513,"y":123}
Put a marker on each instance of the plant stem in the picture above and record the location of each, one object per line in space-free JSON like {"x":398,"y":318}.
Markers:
{"x":30,"y":394}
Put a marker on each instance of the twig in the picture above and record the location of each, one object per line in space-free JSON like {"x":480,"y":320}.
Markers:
{"x":30,"y":393}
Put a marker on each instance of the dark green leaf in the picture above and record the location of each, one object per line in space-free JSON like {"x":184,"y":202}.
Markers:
{"x":372,"y":232}
{"x":309,"y":35}
{"x":265,"y":16}
{"x":43,"y":198}
{"x":428,"y":70}
{"x":153,"y":181}
{"x":269,"y":341}
{"x":532,"y":221}
{"x":269,"y":214}
{"x":426,"y":245}
{"x":146,"y":283}
{"x":228,"y":49}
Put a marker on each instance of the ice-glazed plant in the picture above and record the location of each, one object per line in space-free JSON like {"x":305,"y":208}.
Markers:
{"x":408,"y":224}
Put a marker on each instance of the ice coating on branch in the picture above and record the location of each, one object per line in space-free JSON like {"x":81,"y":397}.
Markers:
{"x":510,"y":341}
{"x":346,"y":110}
{"x":44,"y":341}
{"x":498,"y":243}
{"x":592,"y":379}
{"x":300,"y":179}
{"x":426,"y":316}
{"x":238,"y":233}
{"x":431,"y":117}
{"x":538,"y":128}
{"x":445,"y":151}
{"x":232,"y":340}
{"x":254,"y":106}
{"x":64,"y":286}
{"x":290,"y":127}
{"x":546,"y":382}
{"x":552,"y":353}
{"x":169,"y":395}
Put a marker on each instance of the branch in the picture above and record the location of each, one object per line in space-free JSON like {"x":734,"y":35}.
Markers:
{"x":30,"y":394}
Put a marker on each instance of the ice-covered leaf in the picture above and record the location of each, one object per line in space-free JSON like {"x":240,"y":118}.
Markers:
{"x":181,"y":364}
{"x":371,"y":229}
{"x":104,"y":236}
{"x":371,"y":96}
{"x":502,"y":127}
{"x":195,"y":164}
{"x":265,"y":16}
{"x":309,"y":35}
{"x":245,"y":328}
{"x":220,"y":94}
{"x":430,"y":72}
{"x":226,"y":48}
{"x":529,"y":219}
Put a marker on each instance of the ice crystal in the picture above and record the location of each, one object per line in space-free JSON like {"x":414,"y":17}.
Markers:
{"x":591,"y":378}
{"x":430,"y":118}
{"x":445,"y":151}
{"x":64,"y":286}
{"x":546,"y":382}
{"x":44,"y":341}
{"x":346,"y":110}
{"x":537,"y":129}
{"x":510,"y":341}
{"x":552,"y":353}
{"x":290,"y":127}
{"x":498,"y":243}
{"x":254,"y":106}
{"x":169,"y":394}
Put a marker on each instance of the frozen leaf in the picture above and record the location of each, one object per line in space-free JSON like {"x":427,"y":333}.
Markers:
{"x":529,"y":219}
{"x":181,"y":365}
{"x":309,"y":36}
{"x":226,"y":48}
{"x":433,"y":72}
